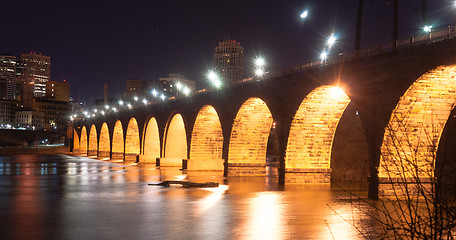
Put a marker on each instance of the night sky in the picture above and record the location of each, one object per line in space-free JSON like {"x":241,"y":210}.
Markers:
{"x":97,"y":42}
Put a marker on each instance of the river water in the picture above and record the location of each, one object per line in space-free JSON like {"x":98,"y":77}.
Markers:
{"x":66,"y":197}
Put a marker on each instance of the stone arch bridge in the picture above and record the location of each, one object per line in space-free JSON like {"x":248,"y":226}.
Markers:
{"x":342,"y":120}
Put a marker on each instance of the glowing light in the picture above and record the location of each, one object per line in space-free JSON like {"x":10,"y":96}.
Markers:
{"x":186,"y":91}
{"x":107,"y":106}
{"x":85,"y":113}
{"x":259,"y":72}
{"x":331,"y":40}
{"x":135,"y":98}
{"x":121,"y":102}
{"x":217,"y":83}
{"x":323,"y":56}
{"x":178,"y":85}
{"x":162,"y":96}
{"x":260,"y":62}
{"x":95,"y":110}
{"x":154,"y":92}
{"x":114,"y":109}
{"x":304,"y":14}
{"x":211,"y":75}
{"x":337,"y":92}
{"x":102,"y":112}
{"x":427,"y":28}
{"x":129,"y":105}
{"x":144,"y":101}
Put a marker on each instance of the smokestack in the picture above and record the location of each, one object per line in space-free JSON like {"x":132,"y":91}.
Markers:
{"x":105,"y":94}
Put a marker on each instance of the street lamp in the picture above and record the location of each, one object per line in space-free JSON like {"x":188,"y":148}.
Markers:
{"x":331,"y":40}
{"x":304,"y":14}
{"x":186,"y":91}
{"x":121,"y":102}
{"x":323,"y":56}
{"x":154,"y":92}
{"x":428,"y":29}
{"x":214,"y":79}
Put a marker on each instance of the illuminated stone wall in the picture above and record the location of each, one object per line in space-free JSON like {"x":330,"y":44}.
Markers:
{"x":104,"y":146}
{"x":118,"y":141}
{"x":151,"y":145}
{"x":83,"y":141}
{"x":176,"y":140}
{"x":249,"y":139}
{"x":416,"y":124}
{"x":132,"y":142}
{"x":93,"y":142}
{"x":311,"y":135}
{"x":75,"y":141}
{"x":206,"y":146}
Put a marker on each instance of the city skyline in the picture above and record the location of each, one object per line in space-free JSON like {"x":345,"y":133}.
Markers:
{"x":99,"y":43}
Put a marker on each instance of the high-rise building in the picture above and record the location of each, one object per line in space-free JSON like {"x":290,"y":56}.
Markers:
{"x":58,"y":91}
{"x":37,"y":69}
{"x":7,"y":76}
{"x":229,"y":62}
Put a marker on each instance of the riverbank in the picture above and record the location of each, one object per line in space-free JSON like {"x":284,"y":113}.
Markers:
{"x":39,"y":149}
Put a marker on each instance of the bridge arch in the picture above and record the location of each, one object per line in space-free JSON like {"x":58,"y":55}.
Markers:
{"x":206,"y":146}
{"x":175,"y":140}
{"x":93,"y":141}
{"x":308,"y":152}
{"x":151,"y":141}
{"x":414,"y":130}
{"x":249,"y":138}
{"x":132,"y":141}
{"x":104,"y":146}
{"x":83,"y":141}
{"x":118,"y":141}
{"x":75,"y":141}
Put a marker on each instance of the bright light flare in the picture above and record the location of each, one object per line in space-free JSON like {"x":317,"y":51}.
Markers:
{"x":135,"y":98}
{"x":323,"y":56}
{"x":260,"y":62}
{"x":211,"y":75}
{"x":259,"y":72}
{"x":427,"y":28}
{"x":178,"y":85}
{"x":304,"y":14}
{"x":186,"y":91}
{"x":144,"y":101}
{"x":162,"y":97}
{"x":107,"y":106}
{"x":331,"y":40}
{"x":121,"y":102}
{"x":154,"y":92}
{"x":336,"y":92}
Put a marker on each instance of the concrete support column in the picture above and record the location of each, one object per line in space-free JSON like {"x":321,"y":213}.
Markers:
{"x":302,"y":175}
{"x":246,"y":169}
{"x":103,"y":153}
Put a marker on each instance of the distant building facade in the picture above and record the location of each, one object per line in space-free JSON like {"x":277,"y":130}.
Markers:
{"x":7,"y":76}
{"x":229,"y":62}
{"x":37,"y":70}
{"x":58,"y":91}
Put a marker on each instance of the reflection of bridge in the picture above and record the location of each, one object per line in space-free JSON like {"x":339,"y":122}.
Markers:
{"x":332,"y":122}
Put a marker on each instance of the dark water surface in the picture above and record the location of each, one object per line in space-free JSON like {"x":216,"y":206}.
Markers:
{"x":65,"y":197}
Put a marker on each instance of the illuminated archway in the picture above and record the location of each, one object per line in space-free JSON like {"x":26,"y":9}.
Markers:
{"x":249,"y":138}
{"x":312,"y":133}
{"x":93,"y":141}
{"x":413,"y":133}
{"x":104,"y":145}
{"x":118,"y":141}
{"x":132,"y":145}
{"x":83,"y":141}
{"x":151,"y":142}
{"x":176,"y":139}
{"x":206,"y":146}
{"x":75,"y":141}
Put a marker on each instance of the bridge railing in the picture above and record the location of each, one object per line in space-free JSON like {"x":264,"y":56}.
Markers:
{"x":434,"y":36}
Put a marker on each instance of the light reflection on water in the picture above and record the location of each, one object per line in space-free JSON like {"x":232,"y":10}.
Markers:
{"x":64,"y":197}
